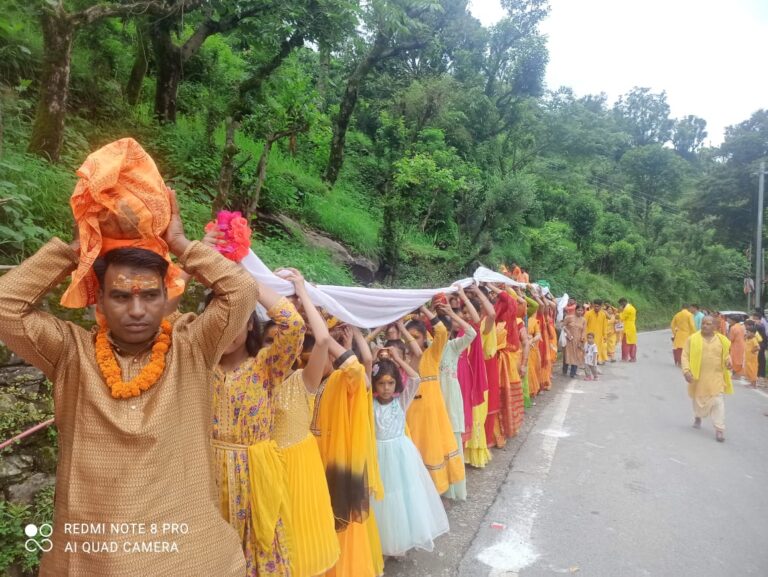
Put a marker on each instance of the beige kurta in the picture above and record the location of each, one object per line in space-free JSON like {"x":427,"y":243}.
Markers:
{"x":576,"y":328}
{"x":144,"y":460}
{"x":707,"y":392}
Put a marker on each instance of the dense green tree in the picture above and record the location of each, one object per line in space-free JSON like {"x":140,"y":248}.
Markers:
{"x":645,"y":116}
{"x":727,"y":190}
{"x":655,"y":175}
{"x":60,"y":24}
{"x":688,"y":135}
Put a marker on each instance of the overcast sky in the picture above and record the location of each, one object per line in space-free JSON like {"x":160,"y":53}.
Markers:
{"x":709,"y":55}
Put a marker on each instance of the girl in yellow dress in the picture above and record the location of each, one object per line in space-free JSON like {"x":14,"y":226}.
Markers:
{"x":315,"y":545}
{"x":250,"y":476}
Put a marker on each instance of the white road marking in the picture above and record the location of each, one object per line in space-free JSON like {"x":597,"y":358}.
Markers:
{"x":560,"y":434}
{"x":513,"y":549}
{"x":676,"y":461}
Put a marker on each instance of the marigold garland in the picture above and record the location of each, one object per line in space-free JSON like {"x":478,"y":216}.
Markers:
{"x":150,"y":374}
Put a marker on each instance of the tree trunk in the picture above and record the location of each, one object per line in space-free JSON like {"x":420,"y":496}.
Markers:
{"x":226,"y":175}
{"x":430,"y":208}
{"x":261,"y":169}
{"x":390,"y":236}
{"x":253,"y":83}
{"x":261,"y":175}
{"x":169,"y":68}
{"x":170,"y":59}
{"x":324,"y":67}
{"x":140,"y":66}
{"x":48,"y":129}
{"x":347,"y":107}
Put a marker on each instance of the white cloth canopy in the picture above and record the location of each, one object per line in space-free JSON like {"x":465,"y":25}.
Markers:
{"x":561,"y":304}
{"x":365,"y":307}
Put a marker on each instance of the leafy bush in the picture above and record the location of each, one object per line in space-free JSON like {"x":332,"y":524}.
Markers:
{"x":13,"y":518}
{"x":34,"y":204}
{"x":553,"y":252}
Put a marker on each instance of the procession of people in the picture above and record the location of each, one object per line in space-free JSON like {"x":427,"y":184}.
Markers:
{"x":286,"y":431}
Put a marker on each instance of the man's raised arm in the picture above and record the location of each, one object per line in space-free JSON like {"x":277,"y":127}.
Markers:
{"x":235,"y":290}
{"x":35,"y":335}
{"x":235,"y":295}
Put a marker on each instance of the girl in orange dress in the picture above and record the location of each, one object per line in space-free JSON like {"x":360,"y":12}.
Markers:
{"x":751,"y":351}
{"x":545,"y":345}
{"x":510,"y":417}
{"x":534,"y":356}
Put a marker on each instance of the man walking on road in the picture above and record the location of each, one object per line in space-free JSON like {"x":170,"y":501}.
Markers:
{"x":682,"y":327}
{"x":628,"y":318}
{"x":706,"y":366}
{"x":597,"y":324}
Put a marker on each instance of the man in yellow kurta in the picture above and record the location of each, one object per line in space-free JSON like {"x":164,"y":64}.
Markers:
{"x":628,"y":318}
{"x":706,"y":366}
{"x":683,"y":326}
{"x":145,"y":458}
{"x":597,"y":324}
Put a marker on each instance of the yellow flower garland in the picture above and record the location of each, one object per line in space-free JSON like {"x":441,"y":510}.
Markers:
{"x":150,"y":374}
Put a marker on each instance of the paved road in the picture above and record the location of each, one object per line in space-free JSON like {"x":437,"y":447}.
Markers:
{"x":610,"y":480}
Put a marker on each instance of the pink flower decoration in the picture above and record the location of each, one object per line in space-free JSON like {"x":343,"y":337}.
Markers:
{"x":237,"y":234}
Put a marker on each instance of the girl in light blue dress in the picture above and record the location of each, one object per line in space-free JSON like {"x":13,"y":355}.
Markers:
{"x":411,"y":515}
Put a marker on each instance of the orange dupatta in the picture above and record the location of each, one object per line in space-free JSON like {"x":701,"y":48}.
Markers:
{"x":119,"y":201}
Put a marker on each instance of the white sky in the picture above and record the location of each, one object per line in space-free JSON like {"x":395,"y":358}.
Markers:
{"x":709,"y":55}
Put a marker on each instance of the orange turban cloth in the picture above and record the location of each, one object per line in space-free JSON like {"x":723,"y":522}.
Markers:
{"x":119,"y":201}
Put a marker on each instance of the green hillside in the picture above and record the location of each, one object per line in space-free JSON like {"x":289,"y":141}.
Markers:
{"x":403,"y":129}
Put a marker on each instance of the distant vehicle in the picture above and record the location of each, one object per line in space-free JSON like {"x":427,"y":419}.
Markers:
{"x":740,"y":316}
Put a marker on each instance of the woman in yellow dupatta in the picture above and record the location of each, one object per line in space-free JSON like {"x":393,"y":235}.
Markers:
{"x":315,"y":545}
{"x":250,"y":473}
{"x":344,"y":428}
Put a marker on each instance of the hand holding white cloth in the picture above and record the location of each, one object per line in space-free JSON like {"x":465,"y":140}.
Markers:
{"x":366,"y":307}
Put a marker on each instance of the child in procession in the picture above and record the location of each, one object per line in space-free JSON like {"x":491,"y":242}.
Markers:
{"x":590,"y":358}
{"x":411,"y":515}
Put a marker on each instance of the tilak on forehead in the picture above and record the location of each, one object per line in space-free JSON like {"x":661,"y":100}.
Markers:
{"x":135,"y":283}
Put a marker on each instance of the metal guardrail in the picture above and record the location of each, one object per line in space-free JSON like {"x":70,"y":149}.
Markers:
{"x":26,"y":433}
